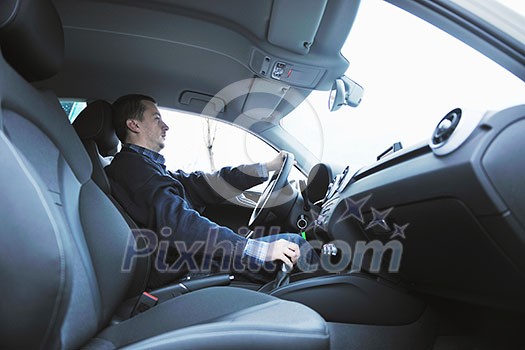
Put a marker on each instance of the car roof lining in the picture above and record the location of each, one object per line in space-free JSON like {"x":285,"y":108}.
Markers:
{"x":168,"y":47}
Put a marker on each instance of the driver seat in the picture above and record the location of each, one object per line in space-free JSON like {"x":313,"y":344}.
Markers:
{"x":64,"y":242}
{"x":95,"y":129}
{"x":94,"y":126}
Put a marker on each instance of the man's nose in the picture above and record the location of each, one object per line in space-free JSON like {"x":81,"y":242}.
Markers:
{"x":165,"y":126}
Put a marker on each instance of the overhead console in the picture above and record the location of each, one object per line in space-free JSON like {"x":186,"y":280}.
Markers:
{"x":304,"y":40}
{"x":306,"y":16}
{"x":456,"y":207}
{"x":275,"y":68}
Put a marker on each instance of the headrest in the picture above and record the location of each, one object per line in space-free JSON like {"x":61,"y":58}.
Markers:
{"x":31,"y":37}
{"x":318,"y":180}
{"x":95,"y":123}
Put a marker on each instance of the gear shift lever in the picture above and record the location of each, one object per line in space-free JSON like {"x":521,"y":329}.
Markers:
{"x":283,"y":276}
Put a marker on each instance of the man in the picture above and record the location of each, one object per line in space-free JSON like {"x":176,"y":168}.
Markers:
{"x":168,"y":203}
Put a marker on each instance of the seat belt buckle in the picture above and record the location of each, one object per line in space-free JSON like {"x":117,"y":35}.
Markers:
{"x":145,"y":302}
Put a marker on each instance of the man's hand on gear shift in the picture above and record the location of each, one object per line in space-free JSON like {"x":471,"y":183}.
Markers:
{"x":285,"y":251}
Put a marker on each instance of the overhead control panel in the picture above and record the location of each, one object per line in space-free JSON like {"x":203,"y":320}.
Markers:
{"x":287,"y":72}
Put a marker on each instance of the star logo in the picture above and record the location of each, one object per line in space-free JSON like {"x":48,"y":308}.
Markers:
{"x":399,"y":231}
{"x":379,"y":218}
{"x":353,"y":209}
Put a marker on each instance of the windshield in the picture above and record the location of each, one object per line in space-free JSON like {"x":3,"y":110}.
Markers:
{"x":413,"y":74}
{"x":517,"y":6}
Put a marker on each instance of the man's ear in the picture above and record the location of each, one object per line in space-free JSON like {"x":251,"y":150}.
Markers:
{"x":132,"y":125}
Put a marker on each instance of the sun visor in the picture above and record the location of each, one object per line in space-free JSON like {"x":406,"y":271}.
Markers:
{"x":264,"y":97}
{"x":294,"y":23}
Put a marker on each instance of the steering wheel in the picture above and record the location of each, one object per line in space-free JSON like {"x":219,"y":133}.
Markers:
{"x":268,"y":198}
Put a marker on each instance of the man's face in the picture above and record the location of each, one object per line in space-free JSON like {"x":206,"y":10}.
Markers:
{"x":152,"y":128}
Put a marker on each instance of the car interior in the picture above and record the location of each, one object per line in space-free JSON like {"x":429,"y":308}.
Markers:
{"x":423,"y":249}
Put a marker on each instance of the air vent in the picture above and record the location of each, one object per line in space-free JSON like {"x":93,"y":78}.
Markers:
{"x":453,"y":130}
{"x":446,"y":127}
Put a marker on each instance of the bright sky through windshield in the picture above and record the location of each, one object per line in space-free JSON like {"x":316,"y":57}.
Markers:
{"x":413,"y":74}
{"x":517,"y":6}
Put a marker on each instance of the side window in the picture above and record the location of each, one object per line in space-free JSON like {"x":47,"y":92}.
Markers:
{"x":72,"y":108}
{"x":198,"y":143}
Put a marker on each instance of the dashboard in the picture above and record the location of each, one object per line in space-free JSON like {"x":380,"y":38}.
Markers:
{"x":455,"y":205}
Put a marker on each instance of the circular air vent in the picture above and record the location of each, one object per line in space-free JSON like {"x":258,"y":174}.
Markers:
{"x":446,"y":127}
{"x":453,"y":130}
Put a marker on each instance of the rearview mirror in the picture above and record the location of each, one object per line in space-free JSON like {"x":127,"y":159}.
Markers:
{"x":337,"y":96}
{"x":345,"y":91}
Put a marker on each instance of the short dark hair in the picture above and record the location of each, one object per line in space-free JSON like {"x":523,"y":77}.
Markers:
{"x":128,"y":107}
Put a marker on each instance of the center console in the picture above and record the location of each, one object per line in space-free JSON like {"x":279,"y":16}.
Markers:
{"x":356,"y":298}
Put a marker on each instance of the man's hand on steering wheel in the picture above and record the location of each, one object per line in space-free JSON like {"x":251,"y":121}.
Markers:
{"x":282,"y":165}
{"x":276,"y":163}
{"x":285,"y":251}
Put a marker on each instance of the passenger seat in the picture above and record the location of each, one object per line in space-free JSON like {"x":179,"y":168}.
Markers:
{"x":63,"y":241}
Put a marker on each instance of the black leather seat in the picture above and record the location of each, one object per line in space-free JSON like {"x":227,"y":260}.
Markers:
{"x":63,"y":241}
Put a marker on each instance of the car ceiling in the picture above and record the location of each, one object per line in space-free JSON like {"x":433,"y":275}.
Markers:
{"x":183,"y":52}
